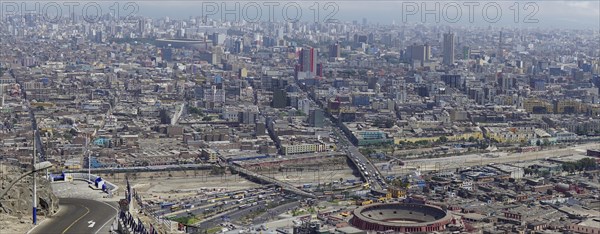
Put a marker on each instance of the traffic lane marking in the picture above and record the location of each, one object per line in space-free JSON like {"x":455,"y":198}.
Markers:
{"x":77,"y":220}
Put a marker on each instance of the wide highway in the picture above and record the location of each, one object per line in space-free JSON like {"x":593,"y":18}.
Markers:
{"x":365,"y":167}
{"x":78,"y":216}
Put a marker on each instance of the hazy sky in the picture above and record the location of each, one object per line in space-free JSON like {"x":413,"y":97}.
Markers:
{"x":565,"y":14}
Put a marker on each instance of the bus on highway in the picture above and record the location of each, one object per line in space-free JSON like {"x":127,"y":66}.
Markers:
{"x":175,"y":208}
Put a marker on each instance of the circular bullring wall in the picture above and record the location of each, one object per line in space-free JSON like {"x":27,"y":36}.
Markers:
{"x":401,"y":217}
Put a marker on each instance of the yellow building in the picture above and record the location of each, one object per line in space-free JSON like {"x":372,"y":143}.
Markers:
{"x":510,"y":134}
{"x":397,"y":140}
{"x":508,"y":100}
{"x":210,"y":155}
{"x":303,"y":148}
{"x":478,"y":135}
{"x":243,"y":73}
{"x":537,"y":106}
{"x":568,"y":107}
{"x":593,"y":110}
{"x":396,"y":192}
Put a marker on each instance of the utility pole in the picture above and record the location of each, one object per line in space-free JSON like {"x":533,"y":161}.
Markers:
{"x":34,"y":210}
{"x":87,"y":142}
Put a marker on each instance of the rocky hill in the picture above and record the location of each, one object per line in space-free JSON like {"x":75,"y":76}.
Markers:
{"x":16,"y":205}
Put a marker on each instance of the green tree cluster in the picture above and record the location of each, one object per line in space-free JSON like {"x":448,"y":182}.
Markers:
{"x":584,"y":164}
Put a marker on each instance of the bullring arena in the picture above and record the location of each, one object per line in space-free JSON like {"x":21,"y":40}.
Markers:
{"x":401,"y":217}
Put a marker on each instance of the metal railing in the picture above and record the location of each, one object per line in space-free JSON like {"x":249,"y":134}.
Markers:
{"x":91,"y":178}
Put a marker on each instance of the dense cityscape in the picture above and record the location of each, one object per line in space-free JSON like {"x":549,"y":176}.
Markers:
{"x":198,"y":125}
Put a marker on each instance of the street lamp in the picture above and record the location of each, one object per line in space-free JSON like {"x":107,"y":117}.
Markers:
{"x":42,"y":166}
{"x":37,"y":167}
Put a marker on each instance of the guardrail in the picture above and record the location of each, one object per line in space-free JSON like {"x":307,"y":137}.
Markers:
{"x":110,"y":187}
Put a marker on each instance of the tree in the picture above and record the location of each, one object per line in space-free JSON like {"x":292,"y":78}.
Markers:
{"x":443,"y":139}
{"x":568,"y":167}
{"x":583,"y":164}
{"x":217,"y":170}
{"x":586,"y":164}
{"x":546,"y":173}
{"x":195,"y":111}
{"x":546,"y":142}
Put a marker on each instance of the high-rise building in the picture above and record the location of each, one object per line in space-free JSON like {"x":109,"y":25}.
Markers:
{"x":421,"y":53}
{"x":166,"y":54}
{"x":316,"y":118}
{"x":214,"y":95}
{"x":360,"y":38}
{"x":319,"y":69}
{"x":218,"y":39}
{"x":500,"y":49}
{"x":142,"y":28}
{"x":280,"y":34}
{"x":454,"y":81}
{"x":238,"y":46}
{"x":417,"y":53}
{"x":334,"y":50}
{"x":97,"y":36}
{"x":448,"y":49}
{"x":308,"y":59}
{"x":466,"y":52}
{"x":427,"y":52}
{"x":279,"y":98}
{"x":181,"y":33}
{"x":507,"y":82}
{"x":387,"y":39}
{"x":304,"y":105}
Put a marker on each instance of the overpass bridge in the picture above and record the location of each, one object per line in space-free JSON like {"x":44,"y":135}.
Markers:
{"x":285,"y":186}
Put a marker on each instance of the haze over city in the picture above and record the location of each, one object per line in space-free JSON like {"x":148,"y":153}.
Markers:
{"x":300,"y":117}
{"x":563,"y":14}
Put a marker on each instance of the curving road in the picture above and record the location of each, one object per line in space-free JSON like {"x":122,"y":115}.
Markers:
{"x":78,"y":216}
